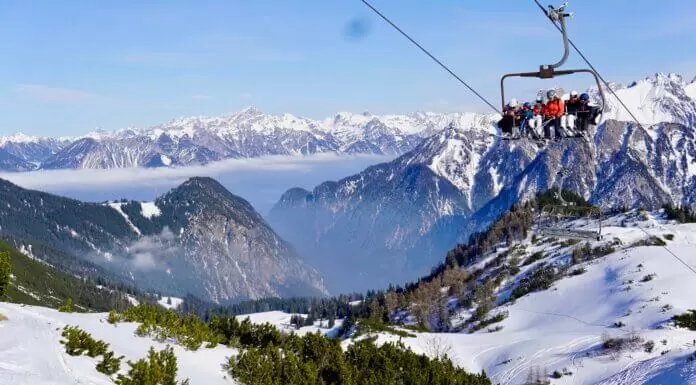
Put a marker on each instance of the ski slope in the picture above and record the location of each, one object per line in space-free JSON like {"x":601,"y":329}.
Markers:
{"x":559,"y":329}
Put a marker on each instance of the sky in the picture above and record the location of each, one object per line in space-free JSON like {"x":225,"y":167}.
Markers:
{"x":72,"y":67}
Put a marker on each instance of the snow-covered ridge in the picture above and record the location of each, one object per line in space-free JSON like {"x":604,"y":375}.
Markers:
{"x":251,"y":133}
{"x":561,"y":328}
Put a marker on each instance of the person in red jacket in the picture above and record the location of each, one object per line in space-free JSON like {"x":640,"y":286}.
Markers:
{"x":553,"y":112}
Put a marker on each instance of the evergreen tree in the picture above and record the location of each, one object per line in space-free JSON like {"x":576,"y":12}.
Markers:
{"x":5,"y":272}
{"x":67,"y":306}
{"x":109,"y":364}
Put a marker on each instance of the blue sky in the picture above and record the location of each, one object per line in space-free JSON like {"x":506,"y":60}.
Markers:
{"x":71,"y":67}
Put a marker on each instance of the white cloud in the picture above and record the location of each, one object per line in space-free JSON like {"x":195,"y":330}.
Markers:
{"x":201,"y":97}
{"x":98,"y":178}
{"x":46,"y":93}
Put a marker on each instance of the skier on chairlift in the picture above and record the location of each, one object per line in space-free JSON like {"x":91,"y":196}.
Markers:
{"x":553,"y":112}
{"x":511,"y":118}
{"x":572,"y":108}
{"x":586,"y":113}
{"x":527,"y":116}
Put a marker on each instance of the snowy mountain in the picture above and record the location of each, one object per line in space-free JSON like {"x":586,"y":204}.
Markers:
{"x":663,"y":98}
{"x":388,"y":216}
{"x":247,"y":133}
{"x":251,"y":133}
{"x":198,"y":238}
{"x":21,"y":152}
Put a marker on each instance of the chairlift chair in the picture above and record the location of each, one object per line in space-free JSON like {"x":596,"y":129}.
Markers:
{"x":550,"y":71}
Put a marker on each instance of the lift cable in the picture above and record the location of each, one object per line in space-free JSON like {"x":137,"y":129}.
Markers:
{"x":431,"y":56}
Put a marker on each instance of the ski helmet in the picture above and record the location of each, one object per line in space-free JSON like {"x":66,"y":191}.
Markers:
{"x":584,"y":97}
{"x":573,"y":93}
{"x":551,"y":94}
{"x":528,"y":104}
{"x":513,"y":103}
{"x":539,"y":99}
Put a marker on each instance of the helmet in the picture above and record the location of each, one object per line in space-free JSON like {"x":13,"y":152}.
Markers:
{"x":540,"y":99}
{"x":528,"y":104}
{"x":513,"y":103}
{"x":551,"y":94}
{"x":585,"y":97}
{"x":573,"y":93}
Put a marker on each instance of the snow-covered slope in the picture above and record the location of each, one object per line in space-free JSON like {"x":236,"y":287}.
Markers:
{"x":557,"y":329}
{"x":562,"y":327}
{"x":31,"y":354}
{"x":30,"y":351}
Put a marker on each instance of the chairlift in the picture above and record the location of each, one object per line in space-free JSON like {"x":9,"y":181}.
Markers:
{"x":568,"y":220}
{"x":551,"y":71}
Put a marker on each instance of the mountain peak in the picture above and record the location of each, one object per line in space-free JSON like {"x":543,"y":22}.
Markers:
{"x":202,"y":183}
{"x":249,"y":110}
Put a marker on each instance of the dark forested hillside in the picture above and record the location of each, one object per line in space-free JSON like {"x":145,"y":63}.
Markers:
{"x":35,"y":283}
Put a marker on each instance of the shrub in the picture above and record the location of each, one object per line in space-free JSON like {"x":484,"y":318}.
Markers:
{"x":556,"y":374}
{"x":67,"y":306}
{"x":669,"y":237}
{"x":648,"y":278}
{"x":686,"y":320}
{"x":109,"y":364}
{"x":533,"y":258}
{"x":578,"y":271}
{"x":159,"y":368}
{"x":79,"y":342}
{"x":113,"y":317}
{"x":649,"y":346}
{"x":619,"y":344}
{"x":540,"y":279}
{"x":313,"y":359}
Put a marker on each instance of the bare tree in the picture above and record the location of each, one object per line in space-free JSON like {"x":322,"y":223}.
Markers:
{"x":438,"y":347}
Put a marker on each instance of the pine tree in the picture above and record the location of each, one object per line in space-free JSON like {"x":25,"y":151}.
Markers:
{"x":67,"y":306}
{"x":5,"y":272}
{"x":109,"y":364}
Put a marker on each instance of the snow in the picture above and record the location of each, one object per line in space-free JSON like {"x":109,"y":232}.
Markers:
{"x":176,"y":302}
{"x":167,"y":161}
{"x":117,"y":206}
{"x":149,"y":210}
{"x":654,"y":100}
{"x":30,"y":351}
{"x":691,"y":90}
{"x":21,"y":138}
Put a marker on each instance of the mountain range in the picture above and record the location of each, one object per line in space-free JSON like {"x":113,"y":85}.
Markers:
{"x":402,"y":216}
{"x":198,"y":239}
{"x":453,"y":176}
